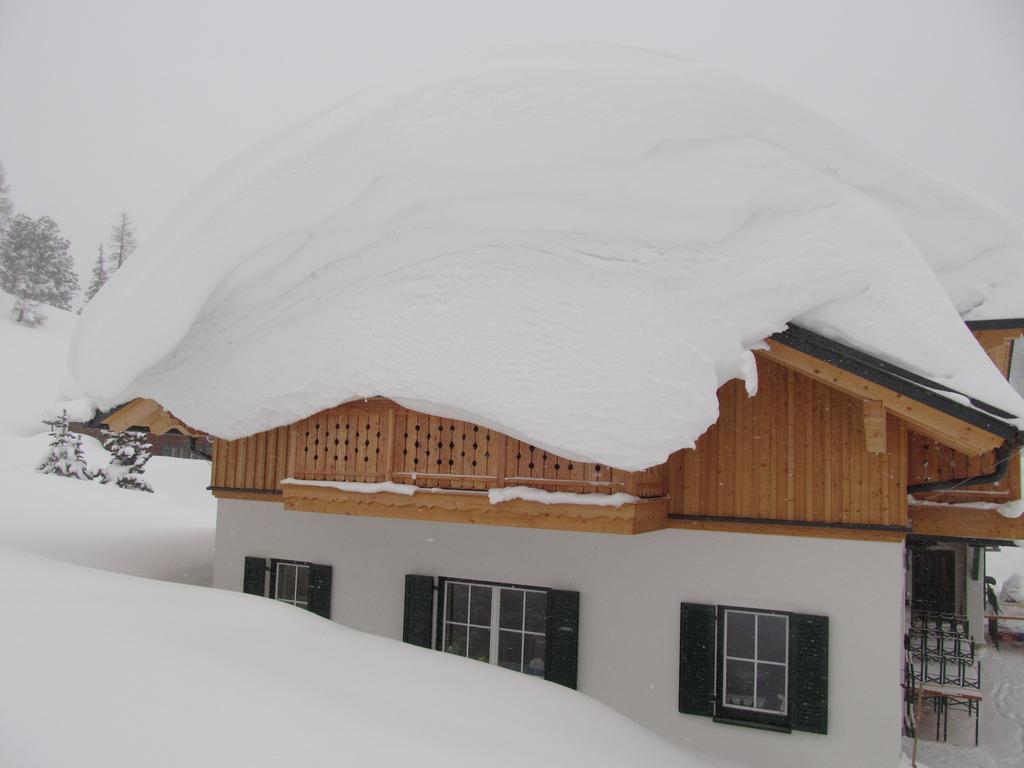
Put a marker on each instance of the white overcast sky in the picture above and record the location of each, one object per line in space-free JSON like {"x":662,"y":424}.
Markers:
{"x":128,"y":104}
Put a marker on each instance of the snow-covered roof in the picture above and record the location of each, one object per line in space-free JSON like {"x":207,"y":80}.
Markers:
{"x":574,"y":244}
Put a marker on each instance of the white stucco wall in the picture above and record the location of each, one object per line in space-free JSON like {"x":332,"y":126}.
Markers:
{"x":630,"y":591}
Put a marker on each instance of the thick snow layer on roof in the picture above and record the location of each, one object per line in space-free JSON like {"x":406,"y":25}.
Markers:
{"x":574,"y":244}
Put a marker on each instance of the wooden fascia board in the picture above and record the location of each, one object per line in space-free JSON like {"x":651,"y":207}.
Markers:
{"x":948,"y":521}
{"x":926,"y":420}
{"x":766,"y":529}
{"x":475,"y":508}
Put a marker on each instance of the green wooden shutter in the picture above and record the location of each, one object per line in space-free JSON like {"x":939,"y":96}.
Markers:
{"x":697,"y":659}
{"x":255,"y":576}
{"x":418,"y":620}
{"x":562,"y":637}
{"x":320,"y":590}
{"x":808,"y":673}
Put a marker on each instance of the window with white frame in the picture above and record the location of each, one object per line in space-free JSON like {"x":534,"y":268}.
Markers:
{"x":755,"y":663}
{"x":291,"y":583}
{"x":498,"y":624}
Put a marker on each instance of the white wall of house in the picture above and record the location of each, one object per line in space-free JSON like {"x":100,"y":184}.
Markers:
{"x":630,"y":591}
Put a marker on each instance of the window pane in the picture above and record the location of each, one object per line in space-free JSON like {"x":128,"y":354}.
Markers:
{"x":739,"y":683}
{"x":511,"y":609}
{"x":458,"y":602}
{"x":455,"y":639}
{"x":480,"y":606}
{"x":739,"y":633}
{"x":533,"y":655}
{"x":302,"y":583}
{"x":510,"y":648}
{"x":479,"y":644}
{"x":536,"y":611}
{"x":771,"y":638}
{"x":771,"y":687}
{"x":285,"y":582}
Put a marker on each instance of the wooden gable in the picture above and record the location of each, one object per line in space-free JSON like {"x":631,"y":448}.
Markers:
{"x":148,"y":414}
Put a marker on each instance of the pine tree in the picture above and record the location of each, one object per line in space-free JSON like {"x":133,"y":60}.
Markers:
{"x":35,"y":266}
{"x":65,"y":457}
{"x":99,"y":275}
{"x":121,"y":242}
{"x":6,"y":207}
{"x":129,"y":455}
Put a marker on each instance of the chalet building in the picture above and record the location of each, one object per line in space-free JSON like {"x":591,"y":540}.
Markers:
{"x":166,"y":434}
{"x":577,"y":244}
{"x":747,"y":598}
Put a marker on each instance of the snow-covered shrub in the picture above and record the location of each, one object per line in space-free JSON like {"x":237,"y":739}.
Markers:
{"x":27,"y":312}
{"x":65,"y":456}
{"x":1013,"y":590}
{"x":129,"y":453}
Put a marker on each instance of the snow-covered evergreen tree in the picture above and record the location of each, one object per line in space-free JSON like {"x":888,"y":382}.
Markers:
{"x":99,"y":275}
{"x":129,"y":453}
{"x":121,"y":243}
{"x":35,"y":266}
{"x":6,"y":207}
{"x":65,"y":456}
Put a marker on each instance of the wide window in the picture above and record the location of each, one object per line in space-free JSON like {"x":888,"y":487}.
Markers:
{"x":533,"y":630}
{"x":754,"y":668}
{"x":498,"y":624}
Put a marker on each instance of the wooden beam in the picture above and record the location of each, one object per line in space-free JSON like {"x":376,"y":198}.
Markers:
{"x":926,"y":420}
{"x":811,"y":531}
{"x":874,"y":426}
{"x":244,"y":495}
{"x":475,"y":508}
{"x":954,"y":522}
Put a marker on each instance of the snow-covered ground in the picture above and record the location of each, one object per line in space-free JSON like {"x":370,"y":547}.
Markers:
{"x":1002,"y":720}
{"x":110,"y":670}
{"x":167,"y":534}
{"x":101,"y":669}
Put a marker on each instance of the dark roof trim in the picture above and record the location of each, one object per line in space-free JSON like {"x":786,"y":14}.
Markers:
{"x":918,"y":388}
{"x":928,"y":540}
{"x":995,"y":325}
{"x":99,"y":419}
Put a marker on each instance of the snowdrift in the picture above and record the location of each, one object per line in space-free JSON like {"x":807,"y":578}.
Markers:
{"x":160,"y":674}
{"x":576,"y":245}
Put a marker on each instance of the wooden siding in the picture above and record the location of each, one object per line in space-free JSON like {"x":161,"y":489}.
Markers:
{"x":798,"y":452}
{"x":255,"y":463}
{"x":376,"y":441}
{"x":931,"y":461}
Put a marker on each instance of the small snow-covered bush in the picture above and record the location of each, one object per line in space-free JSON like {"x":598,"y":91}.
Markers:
{"x":28,"y":312}
{"x":129,"y":455}
{"x":65,"y":456}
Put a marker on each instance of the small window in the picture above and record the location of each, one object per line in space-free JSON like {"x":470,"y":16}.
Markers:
{"x":497,"y":624}
{"x":755,"y":662}
{"x":304,"y":585}
{"x":291,"y":583}
{"x":755,"y":667}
